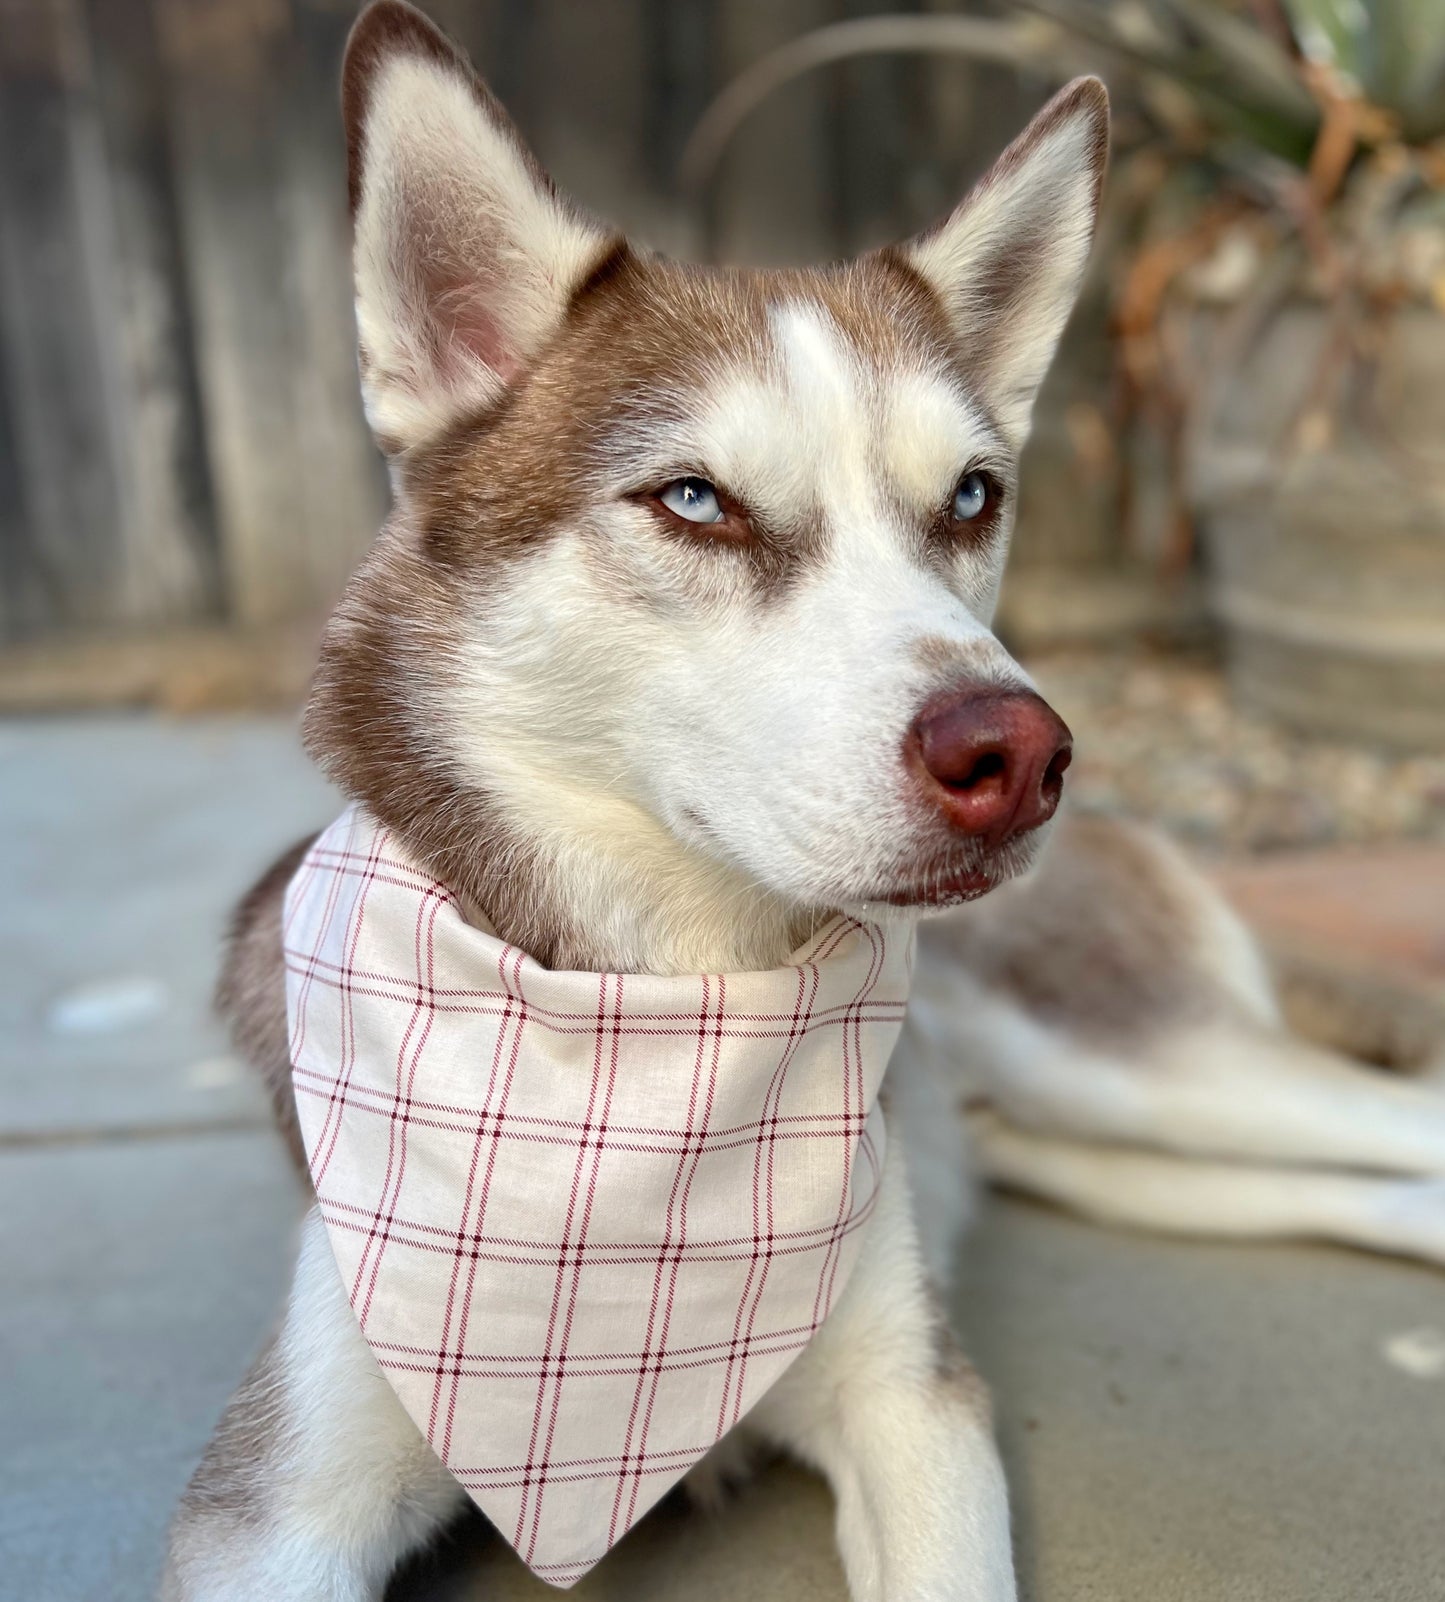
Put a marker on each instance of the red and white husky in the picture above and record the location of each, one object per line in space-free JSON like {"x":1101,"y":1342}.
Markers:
{"x":678,"y":640}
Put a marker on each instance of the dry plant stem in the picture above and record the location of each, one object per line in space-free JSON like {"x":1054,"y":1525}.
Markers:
{"x":1338,"y":136}
{"x":1148,"y":384}
{"x":981,"y":38}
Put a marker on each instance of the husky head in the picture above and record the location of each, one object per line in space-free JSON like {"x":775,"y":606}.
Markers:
{"x":678,"y":636}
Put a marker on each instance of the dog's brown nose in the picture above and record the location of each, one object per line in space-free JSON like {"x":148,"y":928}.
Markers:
{"x":993,"y":761}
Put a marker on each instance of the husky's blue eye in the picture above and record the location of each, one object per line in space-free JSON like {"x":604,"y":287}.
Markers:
{"x":970,"y":498}
{"x":692,"y":498}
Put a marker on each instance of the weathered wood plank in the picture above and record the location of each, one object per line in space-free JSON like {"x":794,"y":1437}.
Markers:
{"x":343,"y":478}
{"x":872,"y":157}
{"x":593,"y":138}
{"x":225,"y":64}
{"x":177,"y":668}
{"x":15,"y":572}
{"x":497,"y":36}
{"x":180,"y":432}
{"x":684,"y":72}
{"x":771,"y":203}
{"x":169,"y":566}
{"x":298,"y":490}
{"x":56,"y":370}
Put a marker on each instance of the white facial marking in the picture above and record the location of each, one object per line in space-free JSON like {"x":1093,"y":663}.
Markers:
{"x":677,"y":723}
{"x":761,"y":733}
{"x":931,"y":435}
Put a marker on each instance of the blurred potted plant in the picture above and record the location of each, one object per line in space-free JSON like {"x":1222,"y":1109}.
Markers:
{"x":1294,"y":328}
{"x":1281,"y":328}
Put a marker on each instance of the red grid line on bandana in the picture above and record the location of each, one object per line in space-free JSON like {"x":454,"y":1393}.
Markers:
{"x":584,"y":1220}
{"x":661,"y":1024}
{"x":853,"y":1101}
{"x":605,"y":1255}
{"x":563,"y":1132}
{"x":448,"y":1362}
{"x":408,"y":1063}
{"x":311,"y":867}
{"x":604,"y":1048}
{"x":631,"y":1467}
{"x":807,"y":981}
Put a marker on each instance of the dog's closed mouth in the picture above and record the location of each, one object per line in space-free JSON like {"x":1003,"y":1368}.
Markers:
{"x":944,"y":887}
{"x":949,"y":879}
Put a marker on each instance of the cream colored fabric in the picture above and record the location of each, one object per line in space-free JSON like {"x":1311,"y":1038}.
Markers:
{"x":585,"y":1220}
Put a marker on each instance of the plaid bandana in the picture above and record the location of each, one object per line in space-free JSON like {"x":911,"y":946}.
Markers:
{"x":585,"y":1220}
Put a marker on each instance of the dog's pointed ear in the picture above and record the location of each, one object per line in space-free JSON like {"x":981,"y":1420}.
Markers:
{"x":465,"y":256}
{"x":1008,"y":261}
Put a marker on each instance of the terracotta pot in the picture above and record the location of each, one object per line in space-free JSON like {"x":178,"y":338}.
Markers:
{"x":1327,"y":565}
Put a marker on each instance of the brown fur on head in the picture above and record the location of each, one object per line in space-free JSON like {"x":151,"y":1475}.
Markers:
{"x":630,"y":739}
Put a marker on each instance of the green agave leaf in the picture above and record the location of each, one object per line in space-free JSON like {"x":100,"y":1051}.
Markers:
{"x":1337,"y":31}
{"x":1239,"y":78}
{"x":1393,"y":49}
{"x":1417,"y":31}
{"x":1238,"y":47}
{"x":1390,"y":37}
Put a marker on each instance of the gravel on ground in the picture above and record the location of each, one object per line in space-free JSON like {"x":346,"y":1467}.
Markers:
{"x":1158,"y":737}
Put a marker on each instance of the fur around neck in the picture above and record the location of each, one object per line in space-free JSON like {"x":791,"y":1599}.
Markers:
{"x":601,"y":885}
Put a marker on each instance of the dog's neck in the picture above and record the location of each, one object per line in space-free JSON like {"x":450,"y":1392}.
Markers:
{"x":577,"y":878}
{"x":633,"y":900}
{"x":601,"y":887}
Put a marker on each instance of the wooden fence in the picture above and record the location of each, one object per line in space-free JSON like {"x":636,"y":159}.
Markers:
{"x":180,"y":435}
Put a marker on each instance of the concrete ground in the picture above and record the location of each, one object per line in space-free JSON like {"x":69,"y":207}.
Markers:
{"x":1181,"y":1423}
